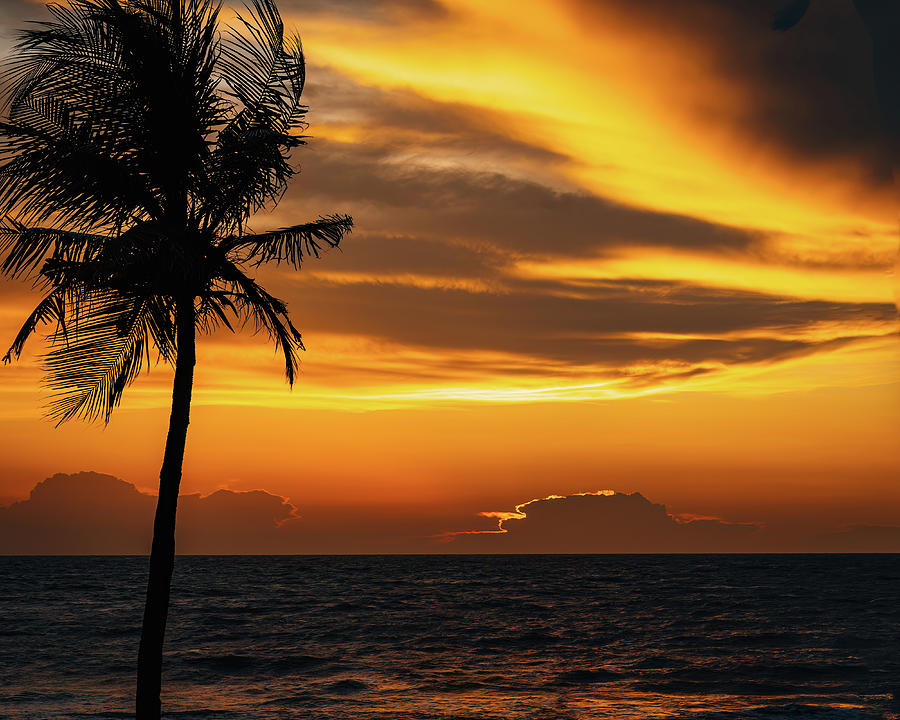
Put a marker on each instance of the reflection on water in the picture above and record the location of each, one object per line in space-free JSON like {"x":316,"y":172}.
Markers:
{"x":538,"y":637}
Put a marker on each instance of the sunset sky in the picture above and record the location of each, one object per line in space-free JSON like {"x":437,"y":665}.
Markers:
{"x":647,"y":247}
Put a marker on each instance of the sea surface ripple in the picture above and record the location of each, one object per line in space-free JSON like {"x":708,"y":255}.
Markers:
{"x":461,"y":637}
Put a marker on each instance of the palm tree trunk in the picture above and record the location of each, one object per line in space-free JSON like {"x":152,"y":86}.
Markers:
{"x":162,"y":554}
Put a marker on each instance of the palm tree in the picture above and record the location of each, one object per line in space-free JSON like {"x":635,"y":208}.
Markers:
{"x":137,"y":143}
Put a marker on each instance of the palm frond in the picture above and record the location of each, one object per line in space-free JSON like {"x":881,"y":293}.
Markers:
{"x":101,"y":351}
{"x":54,"y":55}
{"x":23,"y":249}
{"x":168,"y":52}
{"x":140,"y":262}
{"x":246,"y":170}
{"x":135,"y":143}
{"x":290,"y":245}
{"x":51,"y":308}
{"x":267,"y":313}
{"x":69,"y":176}
{"x":111,"y":108}
{"x":69,"y":140}
{"x":264,"y":70}
{"x":214,"y":309}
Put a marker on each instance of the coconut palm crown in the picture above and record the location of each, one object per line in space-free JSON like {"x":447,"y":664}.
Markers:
{"x":136,"y":142}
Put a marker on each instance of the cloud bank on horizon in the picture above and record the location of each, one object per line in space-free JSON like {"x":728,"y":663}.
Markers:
{"x":90,"y":513}
{"x":605,"y":522}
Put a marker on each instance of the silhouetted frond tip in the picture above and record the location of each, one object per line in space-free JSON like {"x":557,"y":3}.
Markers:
{"x":50,"y":309}
{"x":265,"y":70}
{"x":267,"y":313}
{"x":23,"y":249}
{"x":101,"y":352}
{"x":292,"y":244}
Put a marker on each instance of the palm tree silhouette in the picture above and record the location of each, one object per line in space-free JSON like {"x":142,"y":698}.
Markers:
{"x":138,"y":142}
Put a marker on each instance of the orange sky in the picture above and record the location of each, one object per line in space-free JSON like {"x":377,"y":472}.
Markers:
{"x":598,"y":246}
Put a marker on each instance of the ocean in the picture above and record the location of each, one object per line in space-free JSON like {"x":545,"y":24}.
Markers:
{"x":461,"y":637}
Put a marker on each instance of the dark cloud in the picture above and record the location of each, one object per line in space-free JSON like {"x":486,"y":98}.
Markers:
{"x":15,"y":16}
{"x":375,"y":254}
{"x":511,"y":214}
{"x":462,"y":224}
{"x":811,"y":91}
{"x":860,"y":538}
{"x":379,"y":11}
{"x":599,"y":326}
{"x":619,"y":523}
{"x":400,"y":119}
{"x":390,"y":178}
{"x":629,"y":523}
{"x":90,"y":513}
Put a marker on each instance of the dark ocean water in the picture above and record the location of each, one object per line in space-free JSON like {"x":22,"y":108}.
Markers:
{"x":538,"y":637}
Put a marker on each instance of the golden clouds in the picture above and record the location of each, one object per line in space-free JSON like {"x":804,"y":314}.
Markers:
{"x":579,"y":228}
{"x":643,"y":114}
{"x":735,"y":273}
{"x":653,"y":119}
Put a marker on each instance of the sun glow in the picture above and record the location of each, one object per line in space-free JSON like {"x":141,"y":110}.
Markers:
{"x":857,"y":286}
{"x":520,"y":513}
{"x":613,"y":106}
{"x":573,"y":251}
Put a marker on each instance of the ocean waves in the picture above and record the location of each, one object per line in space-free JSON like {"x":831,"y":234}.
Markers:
{"x":466,"y":637}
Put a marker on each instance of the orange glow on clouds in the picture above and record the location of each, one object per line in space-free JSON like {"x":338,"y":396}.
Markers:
{"x":614,"y":99}
{"x":520,"y":512}
{"x":570,"y":255}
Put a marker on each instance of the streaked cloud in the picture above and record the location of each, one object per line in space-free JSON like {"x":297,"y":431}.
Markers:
{"x":598,"y":209}
{"x":481,"y":246}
